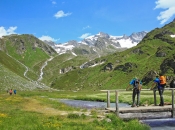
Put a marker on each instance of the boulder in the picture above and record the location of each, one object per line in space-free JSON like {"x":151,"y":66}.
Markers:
{"x":149,"y":76}
{"x":109,"y":67}
{"x":127,"y":67}
{"x":168,"y":64}
{"x":137,"y":51}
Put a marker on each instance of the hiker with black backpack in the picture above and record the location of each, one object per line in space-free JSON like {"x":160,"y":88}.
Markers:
{"x":172,"y":83}
{"x":137,"y":86}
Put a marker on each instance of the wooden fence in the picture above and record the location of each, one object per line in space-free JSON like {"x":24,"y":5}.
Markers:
{"x":120,"y":90}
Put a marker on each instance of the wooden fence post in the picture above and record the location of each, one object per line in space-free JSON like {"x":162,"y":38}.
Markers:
{"x":172,"y":103}
{"x":155,"y":103}
{"x":108,"y":99}
{"x":116,"y":103}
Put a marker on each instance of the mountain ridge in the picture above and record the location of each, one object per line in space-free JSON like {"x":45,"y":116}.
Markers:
{"x":102,"y":43}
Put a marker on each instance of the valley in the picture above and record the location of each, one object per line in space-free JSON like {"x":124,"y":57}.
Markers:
{"x":92,"y":67}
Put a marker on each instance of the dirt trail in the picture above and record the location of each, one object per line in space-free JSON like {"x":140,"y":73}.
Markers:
{"x":27,"y":69}
{"x":35,"y":106}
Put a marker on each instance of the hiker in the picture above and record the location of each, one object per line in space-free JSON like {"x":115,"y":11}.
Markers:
{"x":14,"y":91}
{"x":172,"y":83}
{"x":163,"y":85}
{"x":137,"y":86}
{"x":162,"y":81}
{"x":10,"y":91}
{"x":156,"y":85}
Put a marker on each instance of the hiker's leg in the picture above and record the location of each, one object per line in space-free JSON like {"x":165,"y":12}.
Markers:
{"x":162,"y":100}
{"x":138,"y":97}
{"x":133,"y":97}
{"x":163,"y":89}
{"x":154,"y":92}
{"x":161,"y":97}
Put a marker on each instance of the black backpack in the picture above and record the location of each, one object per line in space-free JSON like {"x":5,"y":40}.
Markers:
{"x":172,"y":84}
{"x":136,"y":83}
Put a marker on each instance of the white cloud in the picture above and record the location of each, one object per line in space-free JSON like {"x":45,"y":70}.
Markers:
{"x":10,"y":30}
{"x":60,"y":14}
{"x":54,"y":2}
{"x":84,"y":35}
{"x":169,"y":9}
{"x":48,"y":38}
{"x":86,"y":27}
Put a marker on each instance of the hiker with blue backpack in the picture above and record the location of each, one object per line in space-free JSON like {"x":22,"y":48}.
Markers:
{"x":14,"y":91}
{"x":137,"y":86}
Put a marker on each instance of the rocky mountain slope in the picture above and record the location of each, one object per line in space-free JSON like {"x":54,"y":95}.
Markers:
{"x":98,"y":45}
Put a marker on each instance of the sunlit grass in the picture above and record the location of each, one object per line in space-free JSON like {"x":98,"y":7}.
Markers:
{"x":42,"y":110}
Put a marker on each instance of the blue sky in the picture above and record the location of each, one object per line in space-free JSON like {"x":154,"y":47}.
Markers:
{"x":64,"y":20}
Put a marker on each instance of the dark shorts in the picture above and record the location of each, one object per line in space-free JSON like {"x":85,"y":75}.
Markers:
{"x":163,"y":85}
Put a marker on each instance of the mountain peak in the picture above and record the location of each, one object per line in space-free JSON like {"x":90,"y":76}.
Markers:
{"x":103,"y":35}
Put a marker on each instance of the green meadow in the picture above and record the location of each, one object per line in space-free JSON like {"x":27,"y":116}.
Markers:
{"x":36,"y":110}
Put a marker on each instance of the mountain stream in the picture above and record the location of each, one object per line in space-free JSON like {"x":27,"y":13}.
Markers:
{"x":155,"y":124}
{"x":43,"y":66}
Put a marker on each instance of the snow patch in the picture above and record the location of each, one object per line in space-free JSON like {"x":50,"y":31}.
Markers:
{"x":127,"y":43}
{"x":96,"y":64}
{"x":97,"y":52}
{"x":172,"y":36}
{"x":74,"y":54}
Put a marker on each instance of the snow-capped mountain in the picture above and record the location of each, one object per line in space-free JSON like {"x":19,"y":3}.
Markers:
{"x":99,"y":44}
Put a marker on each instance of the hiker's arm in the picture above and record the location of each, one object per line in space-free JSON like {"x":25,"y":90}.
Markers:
{"x":128,"y":87}
{"x":152,"y":86}
{"x":140,"y":86}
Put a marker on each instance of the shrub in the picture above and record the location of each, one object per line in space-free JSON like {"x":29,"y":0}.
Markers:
{"x":73,"y":116}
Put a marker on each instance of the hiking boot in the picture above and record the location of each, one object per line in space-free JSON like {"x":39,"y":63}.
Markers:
{"x":133,"y":105}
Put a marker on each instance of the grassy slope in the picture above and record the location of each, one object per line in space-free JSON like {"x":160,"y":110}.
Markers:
{"x":11,"y":64}
{"x":27,"y":50}
{"x":96,"y":79}
{"x":11,"y":80}
{"x":52,"y":70}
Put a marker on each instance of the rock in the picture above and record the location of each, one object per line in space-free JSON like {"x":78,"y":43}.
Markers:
{"x":137,"y":51}
{"x":149,"y":76}
{"x":127,"y":67}
{"x":108,"y":120}
{"x":109,"y":67}
{"x":160,"y":54}
{"x":168,"y":64}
